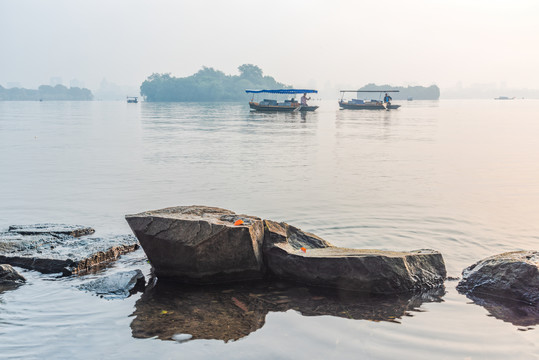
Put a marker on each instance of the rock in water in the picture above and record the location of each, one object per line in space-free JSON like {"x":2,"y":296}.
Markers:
{"x":295,"y":255}
{"x":60,"y":253}
{"x":117,"y":285}
{"x":52,"y":229}
{"x":8,"y":275}
{"x":200,"y":244}
{"x":372,"y":271}
{"x":512,"y":275}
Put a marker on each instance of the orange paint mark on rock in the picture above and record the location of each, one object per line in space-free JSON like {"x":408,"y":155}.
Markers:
{"x":303,"y":249}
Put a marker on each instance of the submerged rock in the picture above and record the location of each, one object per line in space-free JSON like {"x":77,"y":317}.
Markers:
{"x":200,"y":244}
{"x":60,"y":253}
{"x":52,"y":229}
{"x":511,"y":275}
{"x":230,"y":312}
{"x":9,"y":276}
{"x":117,"y":285}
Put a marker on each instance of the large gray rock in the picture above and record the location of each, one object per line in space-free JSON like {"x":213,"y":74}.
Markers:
{"x":512,"y":275}
{"x":8,"y":275}
{"x":200,"y":244}
{"x":373,"y":271}
{"x":60,"y":253}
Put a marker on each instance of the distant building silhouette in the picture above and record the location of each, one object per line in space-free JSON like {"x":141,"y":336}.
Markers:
{"x":56,"y":80}
{"x":11,"y":85}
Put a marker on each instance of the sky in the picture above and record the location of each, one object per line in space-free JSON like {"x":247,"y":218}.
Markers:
{"x":303,"y":43}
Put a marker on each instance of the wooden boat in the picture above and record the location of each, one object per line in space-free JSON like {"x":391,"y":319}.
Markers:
{"x":273,"y":105}
{"x":308,"y":108}
{"x":373,"y":104}
{"x":289,"y":105}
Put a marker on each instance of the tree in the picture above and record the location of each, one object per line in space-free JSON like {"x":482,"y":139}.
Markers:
{"x":250,"y":72}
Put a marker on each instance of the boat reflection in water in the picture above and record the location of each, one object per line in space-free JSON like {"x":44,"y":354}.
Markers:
{"x":231,"y":312}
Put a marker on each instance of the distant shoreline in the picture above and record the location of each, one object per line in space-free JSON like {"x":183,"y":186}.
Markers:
{"x":46,"y":93}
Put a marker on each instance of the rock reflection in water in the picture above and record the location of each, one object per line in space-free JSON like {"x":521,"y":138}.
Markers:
{"x":511,"y":311}
{"x":8,"y":287}
{"x":230,"y":312}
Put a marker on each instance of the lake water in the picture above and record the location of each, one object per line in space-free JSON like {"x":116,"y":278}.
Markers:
{"x":461,"y":177}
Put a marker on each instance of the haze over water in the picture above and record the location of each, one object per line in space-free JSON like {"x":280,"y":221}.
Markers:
{"x":460,"y":177}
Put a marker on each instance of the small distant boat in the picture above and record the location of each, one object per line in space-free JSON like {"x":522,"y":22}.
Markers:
{"x":372,"y":104}
{"x":504,"y":98}
{"x":132,"y":99}
{"x":288,"y":105}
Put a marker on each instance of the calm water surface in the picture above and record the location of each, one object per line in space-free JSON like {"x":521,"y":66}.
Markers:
{"x":461,"y":177}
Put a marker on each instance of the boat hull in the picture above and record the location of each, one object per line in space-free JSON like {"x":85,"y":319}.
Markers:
{"x":273,"y":108}
{"x":308,"y":108}
{"x":367,"y":106}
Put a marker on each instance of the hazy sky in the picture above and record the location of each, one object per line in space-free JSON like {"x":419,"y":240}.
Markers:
{"x":301,"y":43}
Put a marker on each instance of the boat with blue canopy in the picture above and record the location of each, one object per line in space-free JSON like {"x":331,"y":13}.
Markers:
{"x":288,"y":105}
{"x":367,"y":104}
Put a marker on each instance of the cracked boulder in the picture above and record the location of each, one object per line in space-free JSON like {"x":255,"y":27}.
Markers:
{"x":512,"y":275}
{"x":201,"y":244}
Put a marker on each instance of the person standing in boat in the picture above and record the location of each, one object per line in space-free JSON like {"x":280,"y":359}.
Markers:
{"x":387,"y":99}
{"x":304,"y":99}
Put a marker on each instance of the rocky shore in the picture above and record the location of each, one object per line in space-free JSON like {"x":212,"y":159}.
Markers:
{"x":217,"y":274}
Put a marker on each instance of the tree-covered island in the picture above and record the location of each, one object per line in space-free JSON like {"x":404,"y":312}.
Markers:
{"x":415,"y":92}
{"x":207,"y":84}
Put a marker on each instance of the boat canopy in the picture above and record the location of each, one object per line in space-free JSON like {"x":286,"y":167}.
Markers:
{"x":370,"y":91}
{"x":283,"y":91}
